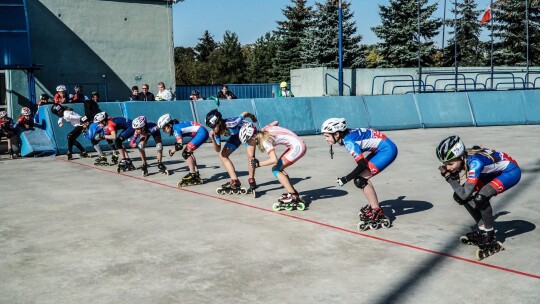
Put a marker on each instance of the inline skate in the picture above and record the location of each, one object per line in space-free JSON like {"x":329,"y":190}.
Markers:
{"x":488,"y":245}
{"x":372,"y":219}
{"x":471,"y":238}
{"x":114,"y":158}
{"x":69,"y":155}
{"x":101,"y":161}
{"x":162,"y":169}
{"x":190,"y":179}
{"x":144,"y":169}
{"x":289,"y":201}
{"x":84,"y":154}
{"x":12,"y":154}
{"x":125,"y":165}
{"x":232,"y":187}
{"x":252,"y":187}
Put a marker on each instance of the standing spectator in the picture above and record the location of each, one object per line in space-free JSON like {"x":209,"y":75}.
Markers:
{"x":61,"y":96}
{"x":225,"y":93}
{"x":43,"y":100}
{"x":163,"y":93}
{"x":134,"y":93}
{"x":195,"y":95}
{"x":283,"y":92}
{"x":91,"y":107}
{"x":146,"y":95}
{"x":78,"y":95}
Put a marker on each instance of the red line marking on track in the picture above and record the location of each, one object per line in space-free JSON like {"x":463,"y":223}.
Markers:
{"x":320,"y":223}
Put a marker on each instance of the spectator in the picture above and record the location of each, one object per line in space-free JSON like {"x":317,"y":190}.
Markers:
{"x":134,"y":93}
{"x":78,"y":96}
{"x":225,"y":93}
{"x":43,"y":100}
{"x":61,"y":97}
{"x":24,"y":122}
{"x":146,"y":95}
{"x":7,"y":130}
{"x":195,"y":95}
{"x":163,"y":93}
{"x":283,"y":92}
{"x":91,"y":107}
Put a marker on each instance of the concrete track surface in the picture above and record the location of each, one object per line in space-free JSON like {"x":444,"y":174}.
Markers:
{"x":74,"y":233}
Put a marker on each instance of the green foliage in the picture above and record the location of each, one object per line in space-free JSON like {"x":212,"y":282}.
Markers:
{"x":260,"y":58}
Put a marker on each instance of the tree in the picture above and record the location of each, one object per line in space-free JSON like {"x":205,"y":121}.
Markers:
{"x":290,"y":34}
{"x":467,"y":30}
{"x":260,"y":58}
{"x":205,"y":47}
{"x":399,"y":33}
{"x":320,"y":45}
{"x":185,"y":65}
{"x":229,"y":59}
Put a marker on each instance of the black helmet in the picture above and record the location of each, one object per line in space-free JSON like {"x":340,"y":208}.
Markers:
{"x":212,"y":118}
{"x":57,"y":108}
{"x":450,"y":148}
{"x":84,"y":119}
{"x":195,"y":92}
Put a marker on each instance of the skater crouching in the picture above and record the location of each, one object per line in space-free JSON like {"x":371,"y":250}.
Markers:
{"x":143,"y":130}
{"x":73,"y":118}
{"x":94,"y":134}
{"x":489,"y":173}
{"x":199,"y":135}
{"x":382,"y":152}
{"x":267,"y":138}
{"x":118,"y":129}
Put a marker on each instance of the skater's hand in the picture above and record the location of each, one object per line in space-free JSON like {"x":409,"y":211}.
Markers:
{"x":171,"y":152}
{"x":443,"y":171}
{"x":60,"y":124}
{"x":341,"y":181}
{"x":255,"y":163}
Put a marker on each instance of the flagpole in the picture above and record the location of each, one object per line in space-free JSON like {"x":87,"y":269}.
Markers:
{"x":455,"y":46}
{"x":419,"y":53}
{"x":340,"y":49}
{"x":527,"y":33}
{"x":443,"y":25}
{"x":491,"y":21}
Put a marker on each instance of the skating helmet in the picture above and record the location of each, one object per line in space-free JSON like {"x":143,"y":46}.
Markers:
{"x":101,"y":116}
{"x":139,"y":122}
{"x":213,"y":118}
{"x":163,"y":120}
{"x":283,"y":84}
{"x":83,"y":120}
{"x":61,"y":88}
{"x":246,"y":132}
{"x":3,"y":114}
{"x":450,"y":148}
{"x":57,"y":108}
{"x":26,"y":111}
{"x":333,"y":125}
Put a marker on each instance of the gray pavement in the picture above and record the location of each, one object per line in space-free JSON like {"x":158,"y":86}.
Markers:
{"x":74,"y":233}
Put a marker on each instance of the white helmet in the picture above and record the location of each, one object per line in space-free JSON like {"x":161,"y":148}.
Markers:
{"x":163,"y":120}
{"x":3,"y":114}
{"x":26,"y":111}
{"x":139,"y":122}
{"x":101,"y":116}
{"x":246,"y":132}
{"x":333,"y":125}
{"x":61,"y":88}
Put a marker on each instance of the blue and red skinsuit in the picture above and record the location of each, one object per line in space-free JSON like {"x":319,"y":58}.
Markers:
{"x":234,"y":124}
{"x":501,"y":172}
{"x":192,"y":129}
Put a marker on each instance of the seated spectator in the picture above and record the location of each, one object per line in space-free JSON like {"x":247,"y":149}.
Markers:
{"x":146,"y":95}
{"x":134,"y":93}
{"x":24,"y":122}
{"x":91,"y":107}
{"x":163,"y":93}
{"x":284,"y":92}
{"x":61,"y":96}
{"x":225,"y":93}
{"x":43,"y":100}
{"x":78,"y":95}
{"x":7,"y":130}
{"x":195,"y":95}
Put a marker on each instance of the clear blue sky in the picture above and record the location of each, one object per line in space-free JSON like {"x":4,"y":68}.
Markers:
{"x":251,"y":19}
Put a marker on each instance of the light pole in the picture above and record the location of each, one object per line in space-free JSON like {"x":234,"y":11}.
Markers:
{"x":340,"y":49}
{"x":419,"y":53}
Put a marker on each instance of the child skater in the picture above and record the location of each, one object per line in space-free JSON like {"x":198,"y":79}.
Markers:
{"x":267,"y":138}
{"x":489,"y":173}
{"x":144,"y":129}
{"x":199,"y":135}
{"x":7,"y":130}
{"x":73,"y":118}
{"x":382,"y":153}
{"x":25,"y":122}
{"x":111,"y":131}
{"x":231,"y":127}
{"x":94,"y":134}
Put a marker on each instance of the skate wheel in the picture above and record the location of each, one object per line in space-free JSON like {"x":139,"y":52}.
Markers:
{"x":179,"y":185}
{"x":500,"y":246}
{"x":464,"y":240}
{"x":301,"y":207}
{"x":276,"y":207}
{"x":386,"y":223}
{"x":480,"y":255}
{"x":243,"y":190}
{"x":254,"y":193}
{"x":219,"y":191}
{"x":118,"y":170}
{"x":374,"y":225}
{"x":229,"y":192}
{"x":362,"y":226}
{"x":288,"y":207}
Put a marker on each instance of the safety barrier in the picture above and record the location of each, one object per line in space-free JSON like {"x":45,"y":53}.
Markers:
{"x":305,"y":115}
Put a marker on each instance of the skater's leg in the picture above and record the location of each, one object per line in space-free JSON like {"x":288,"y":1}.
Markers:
{"x":474,"y":212}
{"x":159,"y":149}
{"x":282,"y":176}
{"x":250,"y":151}
{"x":142,"y":152}
{"x":481,"y":199}
{"x":229,"y":166}
{"x":369,"y":190}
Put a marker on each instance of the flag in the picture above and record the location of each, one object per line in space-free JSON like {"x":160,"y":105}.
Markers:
{"x":487,"y":15}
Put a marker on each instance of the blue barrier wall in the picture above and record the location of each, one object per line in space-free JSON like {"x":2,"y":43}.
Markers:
{"x":305,"y":115}
{"x":444,"y":110}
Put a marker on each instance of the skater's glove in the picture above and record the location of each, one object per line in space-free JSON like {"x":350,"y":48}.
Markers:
{"x":255,"y":163}
{"x":341,"y":181}
{"x":171,"y":152}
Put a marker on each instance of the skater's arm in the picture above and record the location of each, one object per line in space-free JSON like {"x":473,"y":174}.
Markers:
{"x":215,"y":142}
{"x":464,"y":192}
{"x":361,"y":166}
{"x":272,"y":160}
{"x":111,"y":136}
{"x":250,"y":116}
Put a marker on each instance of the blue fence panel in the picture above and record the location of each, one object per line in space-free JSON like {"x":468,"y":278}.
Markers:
{"x":242,"y":91}
{"x":392,"y":112}
{"x":531,"y":101}
{"x":497,"y":108}
{"x":350,"y":107}
{"x":444,"y":110}
{"x":294,"y":114}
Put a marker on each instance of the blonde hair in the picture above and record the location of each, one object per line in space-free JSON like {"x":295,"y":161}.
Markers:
{"x":263,"y":136}
{"x":478,"y":150}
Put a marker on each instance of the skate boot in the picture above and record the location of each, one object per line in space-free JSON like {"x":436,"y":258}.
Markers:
{"x":69,"y":155}
{"x":130,"y":165}
{"x":114,"y":158}
{"x":144,"y":168}
{"x":374,"y":219}
{"x":488,"y":245}
{"x":84,"y":154}
{"x":289,"y":202}
{"x":252,"y":187}
{"x":189,"y":180}
{"x":12,"y":154}
{"x":365,"y":212}
{"x":101,"y":161}
{"x":122,"y":166}
{"x":232,"y":187}
{"x":471,"y":238}
{"x":162,"y":169}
